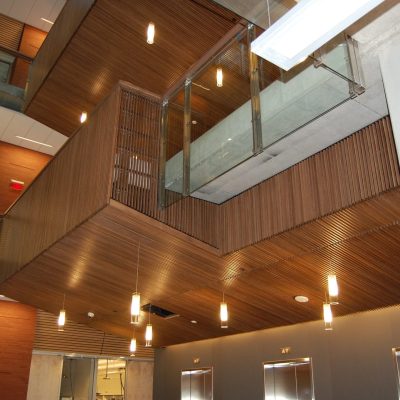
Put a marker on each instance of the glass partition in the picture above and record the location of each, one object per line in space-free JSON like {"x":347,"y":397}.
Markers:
{"x":291,"y":99}
{"x":77,"y":379}
{"x":197,"y":384}
{"x":237,"y":105}
{"x":218,"y":143}
{"x":289,"y":380}
{"x":110,"y":383}
{"x":174,"y":149}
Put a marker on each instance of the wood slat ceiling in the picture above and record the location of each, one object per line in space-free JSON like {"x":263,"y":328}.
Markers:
{"x":94,"y":265}
{"x":110,"y":45}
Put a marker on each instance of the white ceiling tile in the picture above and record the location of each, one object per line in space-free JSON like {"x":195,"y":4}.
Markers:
{"x":5,"y":6}
{"x":56,"y":9}
{"x":21,"y":9}
{"x":5,"y":118}
{"x":56,"y":140}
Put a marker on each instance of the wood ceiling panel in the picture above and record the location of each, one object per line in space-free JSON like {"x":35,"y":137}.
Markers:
{"x":110,"y":45}
{"x":95,"y":266}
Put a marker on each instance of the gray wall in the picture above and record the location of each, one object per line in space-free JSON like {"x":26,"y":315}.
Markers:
{"x":354,"y":361}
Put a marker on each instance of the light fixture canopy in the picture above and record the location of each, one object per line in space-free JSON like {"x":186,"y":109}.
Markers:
{"x":328,"y":317}
{"x":306,"y":27}
{"x":223,"y":313}
{"x":148,"y":335}
{"x":151,"y":31}
{"x":333,"y":289}
{"x":83,"y":117}
{"x":220,"y":77}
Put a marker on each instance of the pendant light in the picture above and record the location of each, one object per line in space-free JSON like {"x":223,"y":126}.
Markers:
{"x":220,"y":77}
{"x":83,"y":117}
{"x":132,"y":346}
{"x":333,"y":289}
{"x":149,"y":331}
{"x":151,"y":30}
{"x":62,"y":317}
{"x":135,"y":304}
{"x":328,"y":317}
{"x":223,"y":312}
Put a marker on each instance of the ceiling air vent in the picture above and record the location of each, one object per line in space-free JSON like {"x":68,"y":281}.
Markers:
{"x":161,"y":312}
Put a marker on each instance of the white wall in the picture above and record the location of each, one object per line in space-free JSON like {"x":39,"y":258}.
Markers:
{"x":390,"y":68}
{"x":352,"y":362}
{"x":45,"y":377}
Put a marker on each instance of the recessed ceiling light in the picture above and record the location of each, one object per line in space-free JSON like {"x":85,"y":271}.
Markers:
{"x":193,"y":321}
{"x":2,"y":295}
{"x":90,"y":314}
{"x":34,"y":141}
{"x":48,"y":21}
{"x":194,"y":122}
{"x":229,"y":139}
{"x":301,"y":299}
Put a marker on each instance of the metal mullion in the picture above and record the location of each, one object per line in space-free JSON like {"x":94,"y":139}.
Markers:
{"x":255,"y":94}
{"x":186,"y":138}
{"x":162,"y":156}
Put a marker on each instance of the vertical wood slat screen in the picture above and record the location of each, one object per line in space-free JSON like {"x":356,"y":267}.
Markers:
{"x":357,"y":168}
{"x":136,"y":170}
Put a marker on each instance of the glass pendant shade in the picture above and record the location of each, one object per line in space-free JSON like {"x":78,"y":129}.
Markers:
{"x":135,"y":308}
{"x":151,"y":30}
{"x":132,"y":347}
{"x":328,"y":317}
{"x":149,"y":335}
{"x":83,"y":117}
{"x":61,"y":320}
{"x":223,"y":312}
{"x":220,"y":77}
{"x":333,"y":289}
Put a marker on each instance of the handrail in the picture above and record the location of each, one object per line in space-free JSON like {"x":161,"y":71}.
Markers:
{"x":15,"y":53}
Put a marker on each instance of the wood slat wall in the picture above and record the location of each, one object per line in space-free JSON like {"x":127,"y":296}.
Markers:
{"x":56,"y":41}
{"x":354,"y":169}
{"x":136,"y":171}
{"x":17,"y":329}
{"x":81,"y":339}
{"x":10,"y":32}
{"x":72,"y":187}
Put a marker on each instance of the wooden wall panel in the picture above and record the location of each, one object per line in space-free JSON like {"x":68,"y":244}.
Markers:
{"x":17,"y":163}
{"x":73,"y":186}
{"x":31,"y":40}
{"x":354,"y":169}
{"x":66,"y":25}
{"x":17,"y":329}
{"x":81,"y":339}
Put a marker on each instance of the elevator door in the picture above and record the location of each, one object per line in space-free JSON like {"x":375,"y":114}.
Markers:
{"x":289,"y":380}
{"x":196,"y":384}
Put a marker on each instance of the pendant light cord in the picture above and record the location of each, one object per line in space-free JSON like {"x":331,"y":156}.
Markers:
{"x":63,"y":307}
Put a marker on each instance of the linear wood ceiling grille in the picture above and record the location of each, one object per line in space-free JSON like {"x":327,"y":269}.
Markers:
{"x":10,"y":32}
{"x":81,"y":339}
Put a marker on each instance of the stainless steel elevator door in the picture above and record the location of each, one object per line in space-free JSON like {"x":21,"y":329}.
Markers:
{"x":289,"y":380}
{"x":196,"y":384}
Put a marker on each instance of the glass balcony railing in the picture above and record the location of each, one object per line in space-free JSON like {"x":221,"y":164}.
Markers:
{"x":256,"y":104}
{"x":13,"y":73}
